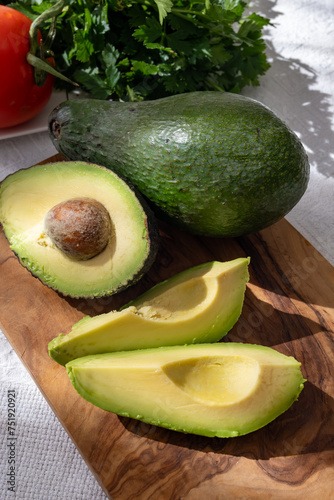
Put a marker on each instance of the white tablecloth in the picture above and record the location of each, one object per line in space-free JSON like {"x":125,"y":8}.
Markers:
{"x":299,"y":87}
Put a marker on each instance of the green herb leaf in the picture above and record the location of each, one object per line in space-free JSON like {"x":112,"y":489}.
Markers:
{"x":110,"y":55}
{"x":93,"y":83}
{"x":164,"y":6}
{"x":150,"y":32}
{"x":145,"y":49}
{"x":84,"y":48}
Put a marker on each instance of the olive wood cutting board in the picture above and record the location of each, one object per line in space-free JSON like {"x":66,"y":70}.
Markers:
{"x":288,"y":306}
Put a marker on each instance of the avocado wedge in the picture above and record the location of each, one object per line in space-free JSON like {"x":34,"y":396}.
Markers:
{"x":78,"y":227}
{"x":224,"y":389}
{"x":198,"y":305}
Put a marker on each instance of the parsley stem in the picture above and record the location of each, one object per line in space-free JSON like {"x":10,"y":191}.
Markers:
{"x":214,"y":85}
{"x":205,"y":22}
{"x":196,"y":13}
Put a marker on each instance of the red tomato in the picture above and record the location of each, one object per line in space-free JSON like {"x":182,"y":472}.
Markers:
{"x":20,"y":97}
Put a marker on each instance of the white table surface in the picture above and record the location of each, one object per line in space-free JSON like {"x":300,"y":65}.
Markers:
{"x":299,"y":88}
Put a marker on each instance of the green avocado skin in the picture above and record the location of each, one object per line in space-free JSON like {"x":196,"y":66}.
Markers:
{"x":212,"y":163}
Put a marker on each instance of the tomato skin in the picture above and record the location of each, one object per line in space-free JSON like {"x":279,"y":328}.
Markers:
{"x":20,"y":98}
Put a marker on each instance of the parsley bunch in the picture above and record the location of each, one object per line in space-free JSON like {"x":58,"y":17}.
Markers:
{"x":144,"y":49}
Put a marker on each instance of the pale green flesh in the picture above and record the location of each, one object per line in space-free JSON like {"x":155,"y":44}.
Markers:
{"x":223,"y":389}
{"x":198,"y":305}
{"x":27,"y":196}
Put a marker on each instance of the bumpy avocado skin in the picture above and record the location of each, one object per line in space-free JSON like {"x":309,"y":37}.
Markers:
{"x":215,"y":164}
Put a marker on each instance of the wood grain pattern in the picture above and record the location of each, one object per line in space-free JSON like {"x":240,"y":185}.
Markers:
{"x":288,"y":306}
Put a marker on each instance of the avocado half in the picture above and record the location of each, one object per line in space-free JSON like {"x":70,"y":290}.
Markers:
{"x":27,"y":198}
{"x":224,"y":389}
{"x":198,"y":305}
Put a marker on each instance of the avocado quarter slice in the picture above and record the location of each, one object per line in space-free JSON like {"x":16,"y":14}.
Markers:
{"x":223,"y":389}
{"x":198,"y":305}
{"x":34,"y":199}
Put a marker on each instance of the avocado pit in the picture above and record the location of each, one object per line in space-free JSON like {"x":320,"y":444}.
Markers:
{"x":79,"y":227}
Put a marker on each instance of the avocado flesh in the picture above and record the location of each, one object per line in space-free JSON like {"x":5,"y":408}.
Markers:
{"x":224,"y":389}
{"x":26,"y":197}
{"x":212,"y":163}
{"x":198,"y":305}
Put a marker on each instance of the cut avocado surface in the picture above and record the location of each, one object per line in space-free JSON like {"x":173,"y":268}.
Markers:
{"x":38,"y":204}
{"x":198,"y":305}
{"x":224,"y":389}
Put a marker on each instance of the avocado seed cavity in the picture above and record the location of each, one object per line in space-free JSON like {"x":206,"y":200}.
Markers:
{"x":80,"y":227}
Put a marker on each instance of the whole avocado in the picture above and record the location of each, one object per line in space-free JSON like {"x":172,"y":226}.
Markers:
{"x":212,"y":163}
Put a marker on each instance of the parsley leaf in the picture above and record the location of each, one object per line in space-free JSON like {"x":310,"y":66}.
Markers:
{"x":149,"y":32}
{"x":145,"y":49}
{"x":164,"y":6}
